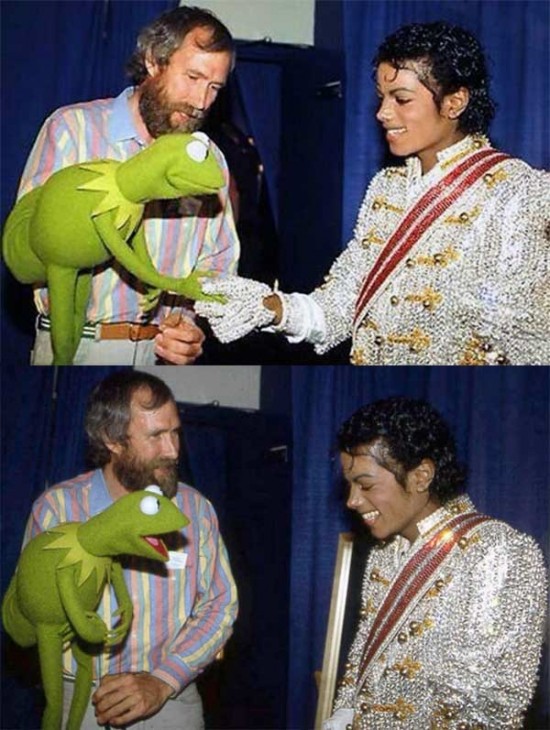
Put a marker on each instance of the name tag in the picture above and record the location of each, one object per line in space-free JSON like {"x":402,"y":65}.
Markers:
{"x":177,"y":561}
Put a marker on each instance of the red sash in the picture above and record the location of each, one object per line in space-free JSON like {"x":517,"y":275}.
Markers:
{"x":413,"y":578}
{"x":430,"y":206}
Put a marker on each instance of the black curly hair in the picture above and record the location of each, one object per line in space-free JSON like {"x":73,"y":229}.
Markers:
{"x":164,"y":36}
{"x":406,"y":431}
{"x":446,"y":58}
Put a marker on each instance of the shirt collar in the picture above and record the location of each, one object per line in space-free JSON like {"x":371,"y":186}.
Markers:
{"x":443,"y":514}
{"x":121,"y":124}
{"x":470,"y":143}
{"x":446,"y":157}
{"x":100,"y":498}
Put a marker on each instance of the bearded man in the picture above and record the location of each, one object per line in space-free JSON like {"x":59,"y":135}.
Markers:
{"x":133,"y":431}
{"x":181,"y":62}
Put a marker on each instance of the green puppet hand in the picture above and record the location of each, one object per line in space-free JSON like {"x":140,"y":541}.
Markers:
{"x":117,"y":634}
{"x":93,"y":629}
{"x":191,"y":287}
{"x":150,"y":299}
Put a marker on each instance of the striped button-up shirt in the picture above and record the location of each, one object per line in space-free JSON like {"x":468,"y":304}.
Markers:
{"x":181,"y":235}
{"x":183,"y":614}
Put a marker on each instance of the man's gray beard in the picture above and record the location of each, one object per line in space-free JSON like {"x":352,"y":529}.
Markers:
{"x":156,"y":111}
{"x":134,"y":477}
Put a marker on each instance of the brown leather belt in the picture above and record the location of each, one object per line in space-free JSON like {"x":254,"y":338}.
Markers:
{"x":128,"y":331}
{"x":110,"y":331}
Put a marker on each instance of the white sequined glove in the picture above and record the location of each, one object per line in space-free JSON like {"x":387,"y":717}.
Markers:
{"x":341,"y":719}
{"x":243,"y":310}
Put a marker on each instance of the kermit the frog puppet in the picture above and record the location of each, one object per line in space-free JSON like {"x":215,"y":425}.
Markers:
{"x":58,"y":583}
{"x":87,"y":213}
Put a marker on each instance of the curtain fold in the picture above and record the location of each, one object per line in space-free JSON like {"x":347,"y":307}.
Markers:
{"x":258,"y":82}
{"x":26,"y":423}
{"x":501,"y":421}
{"x":206,"y":453}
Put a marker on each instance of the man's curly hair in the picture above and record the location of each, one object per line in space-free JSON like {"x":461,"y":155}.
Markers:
{"x":406,"y":431}
{"x":446,"y":58}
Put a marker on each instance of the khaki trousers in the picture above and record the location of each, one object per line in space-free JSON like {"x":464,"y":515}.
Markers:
{"x":97,"y":352}
{"x":184,"y":712}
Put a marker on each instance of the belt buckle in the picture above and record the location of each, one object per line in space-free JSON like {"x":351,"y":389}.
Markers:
{"x":133,"y":332}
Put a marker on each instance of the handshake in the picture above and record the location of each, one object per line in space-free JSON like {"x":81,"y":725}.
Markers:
{"x":248,"y":305}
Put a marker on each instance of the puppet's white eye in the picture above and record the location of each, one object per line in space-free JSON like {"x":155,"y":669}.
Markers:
{"x":153,"y":488}
{"x":149,"y":505}
{"x":197,"y":150}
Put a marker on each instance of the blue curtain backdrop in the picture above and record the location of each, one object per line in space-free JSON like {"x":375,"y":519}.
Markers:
{"x":501,"y":421}
{"x":256,"y":82}
{"x":516,"y":37}
{"x":238,"y":459}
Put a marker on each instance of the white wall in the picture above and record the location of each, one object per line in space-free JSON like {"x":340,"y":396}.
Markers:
{"x":284,"y":21}
{"x":234,"y":386}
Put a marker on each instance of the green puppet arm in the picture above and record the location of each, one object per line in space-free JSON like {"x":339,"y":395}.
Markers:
{"x":86,"y":214}
{"x":59,"y":581}
{"x":189,"y":287}
{"x":124,"y":610}
{"x":138,"y":263}
{"x":75,"y":598}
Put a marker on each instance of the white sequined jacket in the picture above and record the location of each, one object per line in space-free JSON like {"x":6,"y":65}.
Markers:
{"x":465,"y":654}
{"x":474,"y":289}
